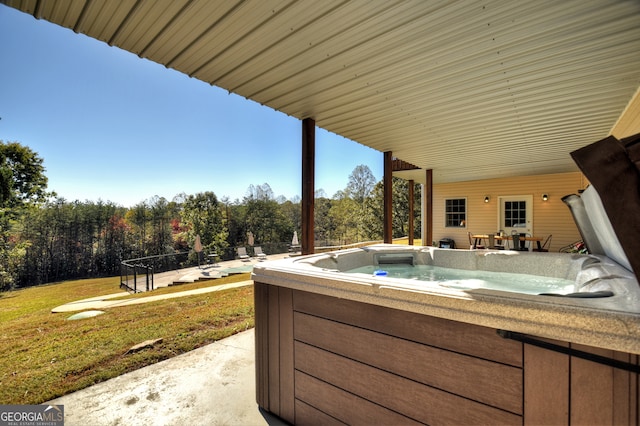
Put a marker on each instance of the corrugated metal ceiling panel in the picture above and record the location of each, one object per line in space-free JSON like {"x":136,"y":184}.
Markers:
{"x":145,"y":22}
{"x":101,"y":19}
{"x":307,"y":39}
{"x":471,"y":89}
{"x":190,"y":23}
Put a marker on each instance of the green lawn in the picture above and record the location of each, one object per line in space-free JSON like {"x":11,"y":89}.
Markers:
{"x":44,"y":356}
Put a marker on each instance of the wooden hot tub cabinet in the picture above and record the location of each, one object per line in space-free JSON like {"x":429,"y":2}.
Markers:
{"x":326,"y":360}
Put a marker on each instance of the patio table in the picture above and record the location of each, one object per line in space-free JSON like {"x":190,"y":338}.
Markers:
{"x":478,"y":237}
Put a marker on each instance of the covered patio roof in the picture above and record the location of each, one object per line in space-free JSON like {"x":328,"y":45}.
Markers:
{"x":470,"y":89}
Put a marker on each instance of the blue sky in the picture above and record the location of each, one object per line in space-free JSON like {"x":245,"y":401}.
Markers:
{"x":113,"y":127}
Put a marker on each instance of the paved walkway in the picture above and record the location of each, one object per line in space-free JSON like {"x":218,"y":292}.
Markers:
{"x":208,"y":271}
{"x":106,"y":301}
{"x":165,"y":279}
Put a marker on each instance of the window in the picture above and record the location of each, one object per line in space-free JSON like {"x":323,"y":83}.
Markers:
{"x":515,"y":214}
{"x":455,"y":212}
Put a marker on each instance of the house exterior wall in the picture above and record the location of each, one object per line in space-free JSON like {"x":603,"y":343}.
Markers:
{"x":549,"y":217}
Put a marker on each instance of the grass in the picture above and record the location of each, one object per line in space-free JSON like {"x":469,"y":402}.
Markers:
{"x":44,"y":356}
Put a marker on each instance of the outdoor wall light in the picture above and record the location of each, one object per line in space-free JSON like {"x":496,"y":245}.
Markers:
{"x":545,"y":197}
{"x":486,"y":198}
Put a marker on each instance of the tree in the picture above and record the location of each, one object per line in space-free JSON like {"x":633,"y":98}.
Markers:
{"x":323,"y":222}
{"x":348,"y":208}
{"x":361,"y":183}
{"x":236,"y":225}
{"x":22,"y":178}
{"x":292,"y":211}
{"x":259,"y":193}
{"x":138,"y":216}
{"x":62,"y":240}
{"x":161,"y":237}
{"x":22,"y":183}
{"x":115,"y":238}
{"x":204,"y":215}
{"x":345,"y":219}
{"x":264,"y":217}
{"x":374,"y":210}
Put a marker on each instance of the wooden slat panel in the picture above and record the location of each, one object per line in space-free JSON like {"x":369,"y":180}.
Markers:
{"x":481,"y":342}
{"x":308,"y":415}
{"x":561,"y":390}
{"x":480,"y":380}
{"x":260,"y":297}
{"x":592,"y":390}
{"x":274,"y":350}
{"x":622,"y":392}
{"x":344,"y":406}
{"x":287,"y":399}
{"x":634,"y":385}
{"x":417,"y":401}
{"x":546,"y":387}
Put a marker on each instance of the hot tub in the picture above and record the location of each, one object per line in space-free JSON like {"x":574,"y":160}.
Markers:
{"x":334,"y":345}
{"x":601,"y":307}
{"x":429,"y":269}
{"x":352,"y":337}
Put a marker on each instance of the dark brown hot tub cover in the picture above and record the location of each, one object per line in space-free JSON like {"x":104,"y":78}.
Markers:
{"x":613,"y":168}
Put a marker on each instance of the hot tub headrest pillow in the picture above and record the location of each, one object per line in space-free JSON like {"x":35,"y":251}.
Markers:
{"x":613,"y":168}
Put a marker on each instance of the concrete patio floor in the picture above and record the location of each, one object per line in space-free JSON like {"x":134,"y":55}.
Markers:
{"x":212,"y":385}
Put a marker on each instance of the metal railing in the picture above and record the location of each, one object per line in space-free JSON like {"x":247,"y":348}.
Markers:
{"x":131,"y":275}
{"x":136,"y":275}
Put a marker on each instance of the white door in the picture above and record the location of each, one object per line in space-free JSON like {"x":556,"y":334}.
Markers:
{"x":516,"y":214}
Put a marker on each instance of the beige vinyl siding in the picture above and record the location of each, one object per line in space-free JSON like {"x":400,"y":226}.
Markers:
{"x":549,"y":217}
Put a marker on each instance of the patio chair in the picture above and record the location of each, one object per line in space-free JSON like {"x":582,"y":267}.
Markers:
{"x":545,"y":246}
{"x":472,"y":242}
{"x":500,"y":244}
{"x":259,"y":253}
{"x":517,"y":244}
{"x":242,"y":254}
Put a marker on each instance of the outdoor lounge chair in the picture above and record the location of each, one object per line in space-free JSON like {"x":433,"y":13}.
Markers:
{"x":242,"y":254}
{"x":259,"y":253}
